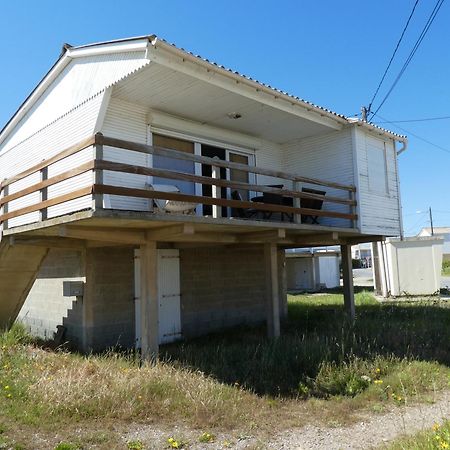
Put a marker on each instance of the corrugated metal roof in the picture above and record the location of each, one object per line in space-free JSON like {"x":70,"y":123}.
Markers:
{"x":153,"y":39}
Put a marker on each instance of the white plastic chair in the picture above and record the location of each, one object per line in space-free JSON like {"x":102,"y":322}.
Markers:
{"x":171,"y":206}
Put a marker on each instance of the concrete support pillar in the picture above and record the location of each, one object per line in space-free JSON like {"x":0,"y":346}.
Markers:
{"x":347,"y":276}
{"x":272,"y":290}
{"x":149,"y":301}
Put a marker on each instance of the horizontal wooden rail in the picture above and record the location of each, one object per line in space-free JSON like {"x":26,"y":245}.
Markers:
{"x":149,"y":149}
{"x":150,"y":194}
{"x":46,"y":162}
{"x":47,"y":203}
{"x":98,"y":187}
{"x":49,"y":182}
{"x":174,"y":175}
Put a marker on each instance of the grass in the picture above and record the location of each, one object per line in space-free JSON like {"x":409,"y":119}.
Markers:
{"x":446,"y":268}
{"x":322,"y":368}
{"x":437,"y":438}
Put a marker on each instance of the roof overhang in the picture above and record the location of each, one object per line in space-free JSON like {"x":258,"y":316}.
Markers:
{"x":170,"y":56}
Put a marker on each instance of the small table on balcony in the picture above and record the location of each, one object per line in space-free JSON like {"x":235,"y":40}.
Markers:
{"x":275,"y":199}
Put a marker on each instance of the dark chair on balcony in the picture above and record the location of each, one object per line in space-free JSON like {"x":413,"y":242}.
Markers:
{"x":311,"y":203}
{"x":243,"y":213}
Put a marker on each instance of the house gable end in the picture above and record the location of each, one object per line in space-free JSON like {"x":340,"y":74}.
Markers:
{"x":80,"y":79}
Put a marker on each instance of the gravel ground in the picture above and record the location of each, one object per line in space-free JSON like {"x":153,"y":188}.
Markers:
{"x":373,"y":431}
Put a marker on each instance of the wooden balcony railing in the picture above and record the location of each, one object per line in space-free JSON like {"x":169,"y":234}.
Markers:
{"x":98,"y":188}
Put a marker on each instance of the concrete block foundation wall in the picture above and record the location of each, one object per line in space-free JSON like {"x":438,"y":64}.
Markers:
{"x":220,"y":287}
{"x":45,"y":306}
{"x":223,"y":287}
{"x":109,"y":298}
{"x":103,"y":317}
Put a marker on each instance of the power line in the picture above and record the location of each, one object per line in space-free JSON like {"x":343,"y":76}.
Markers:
{"x":416,"y":46}
{"x":416,"y":120}
{"x":415,"y":135}
{"x":393,"y":55}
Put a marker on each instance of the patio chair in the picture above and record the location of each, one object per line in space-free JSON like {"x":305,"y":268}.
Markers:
{"x":243,"y":213}
{"x":311,"y":203}
{"x":171,"y":206}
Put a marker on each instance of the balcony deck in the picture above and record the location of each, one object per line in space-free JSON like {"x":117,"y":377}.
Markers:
{"x":99,"y":224}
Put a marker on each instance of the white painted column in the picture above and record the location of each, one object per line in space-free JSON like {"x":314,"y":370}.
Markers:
{"x":149,"y":301}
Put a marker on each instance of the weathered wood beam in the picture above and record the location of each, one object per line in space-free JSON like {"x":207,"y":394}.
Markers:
{"x":168,"y":233}
{"x":149,"y":301}
{"x":347,"y":277}
{"x":316,"y":239}
{"x":148,"y":149}
{"x":112,"y":235}
{"x":362,"y":239}
{"x":175,"y":175}
{"x":263,"y":236}
{"x":144,"y":193}
{"x":48,"y":242}
{"x":272,"y":290}
{"x":46,"y":162}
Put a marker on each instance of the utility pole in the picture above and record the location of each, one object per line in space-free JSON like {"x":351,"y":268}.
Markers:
{"x":431,"y":221}
{"x":364,"y":112}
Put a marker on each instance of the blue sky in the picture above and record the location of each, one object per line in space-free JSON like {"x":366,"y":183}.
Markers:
{"x":329,"y":52}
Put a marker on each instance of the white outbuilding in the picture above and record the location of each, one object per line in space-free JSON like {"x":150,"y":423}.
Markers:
{"x":409,"y":266}
{"x":312,"y":269}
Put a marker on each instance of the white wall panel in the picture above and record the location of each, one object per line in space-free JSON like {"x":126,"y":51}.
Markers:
{"x":329,"y":158}
{"x":127,"y":121}
{"x":81,"y":79}
{"x":67,"y":131}
{"x":380,"y":212}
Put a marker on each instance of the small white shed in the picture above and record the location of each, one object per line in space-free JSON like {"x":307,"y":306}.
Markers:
{"x":312,"y":269}
{"x":409,"y":266}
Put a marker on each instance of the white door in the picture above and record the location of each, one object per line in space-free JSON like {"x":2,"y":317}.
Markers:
{"x":168,"y":296}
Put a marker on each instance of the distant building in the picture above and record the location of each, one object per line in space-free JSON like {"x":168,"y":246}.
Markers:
{"x":443,"y":232}
{"x":312,"y":269}
{"x":363,"y":252}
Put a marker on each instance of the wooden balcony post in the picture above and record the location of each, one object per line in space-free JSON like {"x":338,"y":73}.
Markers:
{"x":5,"y":206}
{"x":297,"y":187}
{"x":351,"y":195}
{"x":149,"y":301}
{"x":215,"y":173}
{"x":347,"y":277}
{"x":97,"y":200}
{"x":272,"y":290}
{"x":43,"y":194}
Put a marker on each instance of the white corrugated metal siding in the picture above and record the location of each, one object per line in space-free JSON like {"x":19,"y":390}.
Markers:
{"x":44,"y":144}
{"x":329,"y":158}
{"x":127,"y":121}
{"x":379,"y":211}
{"x":81,"y":79}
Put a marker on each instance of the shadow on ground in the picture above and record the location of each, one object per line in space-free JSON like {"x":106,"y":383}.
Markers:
{"x":314,"y":334}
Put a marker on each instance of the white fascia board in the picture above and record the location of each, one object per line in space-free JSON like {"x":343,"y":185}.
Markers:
{"x":378,"y":131}
{"x":105,"y":49}
{"x":174,"y":58}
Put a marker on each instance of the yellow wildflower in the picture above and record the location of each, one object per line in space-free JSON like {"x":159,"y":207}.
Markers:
{"x":377,"y":370}
{"x":435,"y":427}
{"x":444,"y":444}
{"x":378,"y":381}
{"x":6,"y":387}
